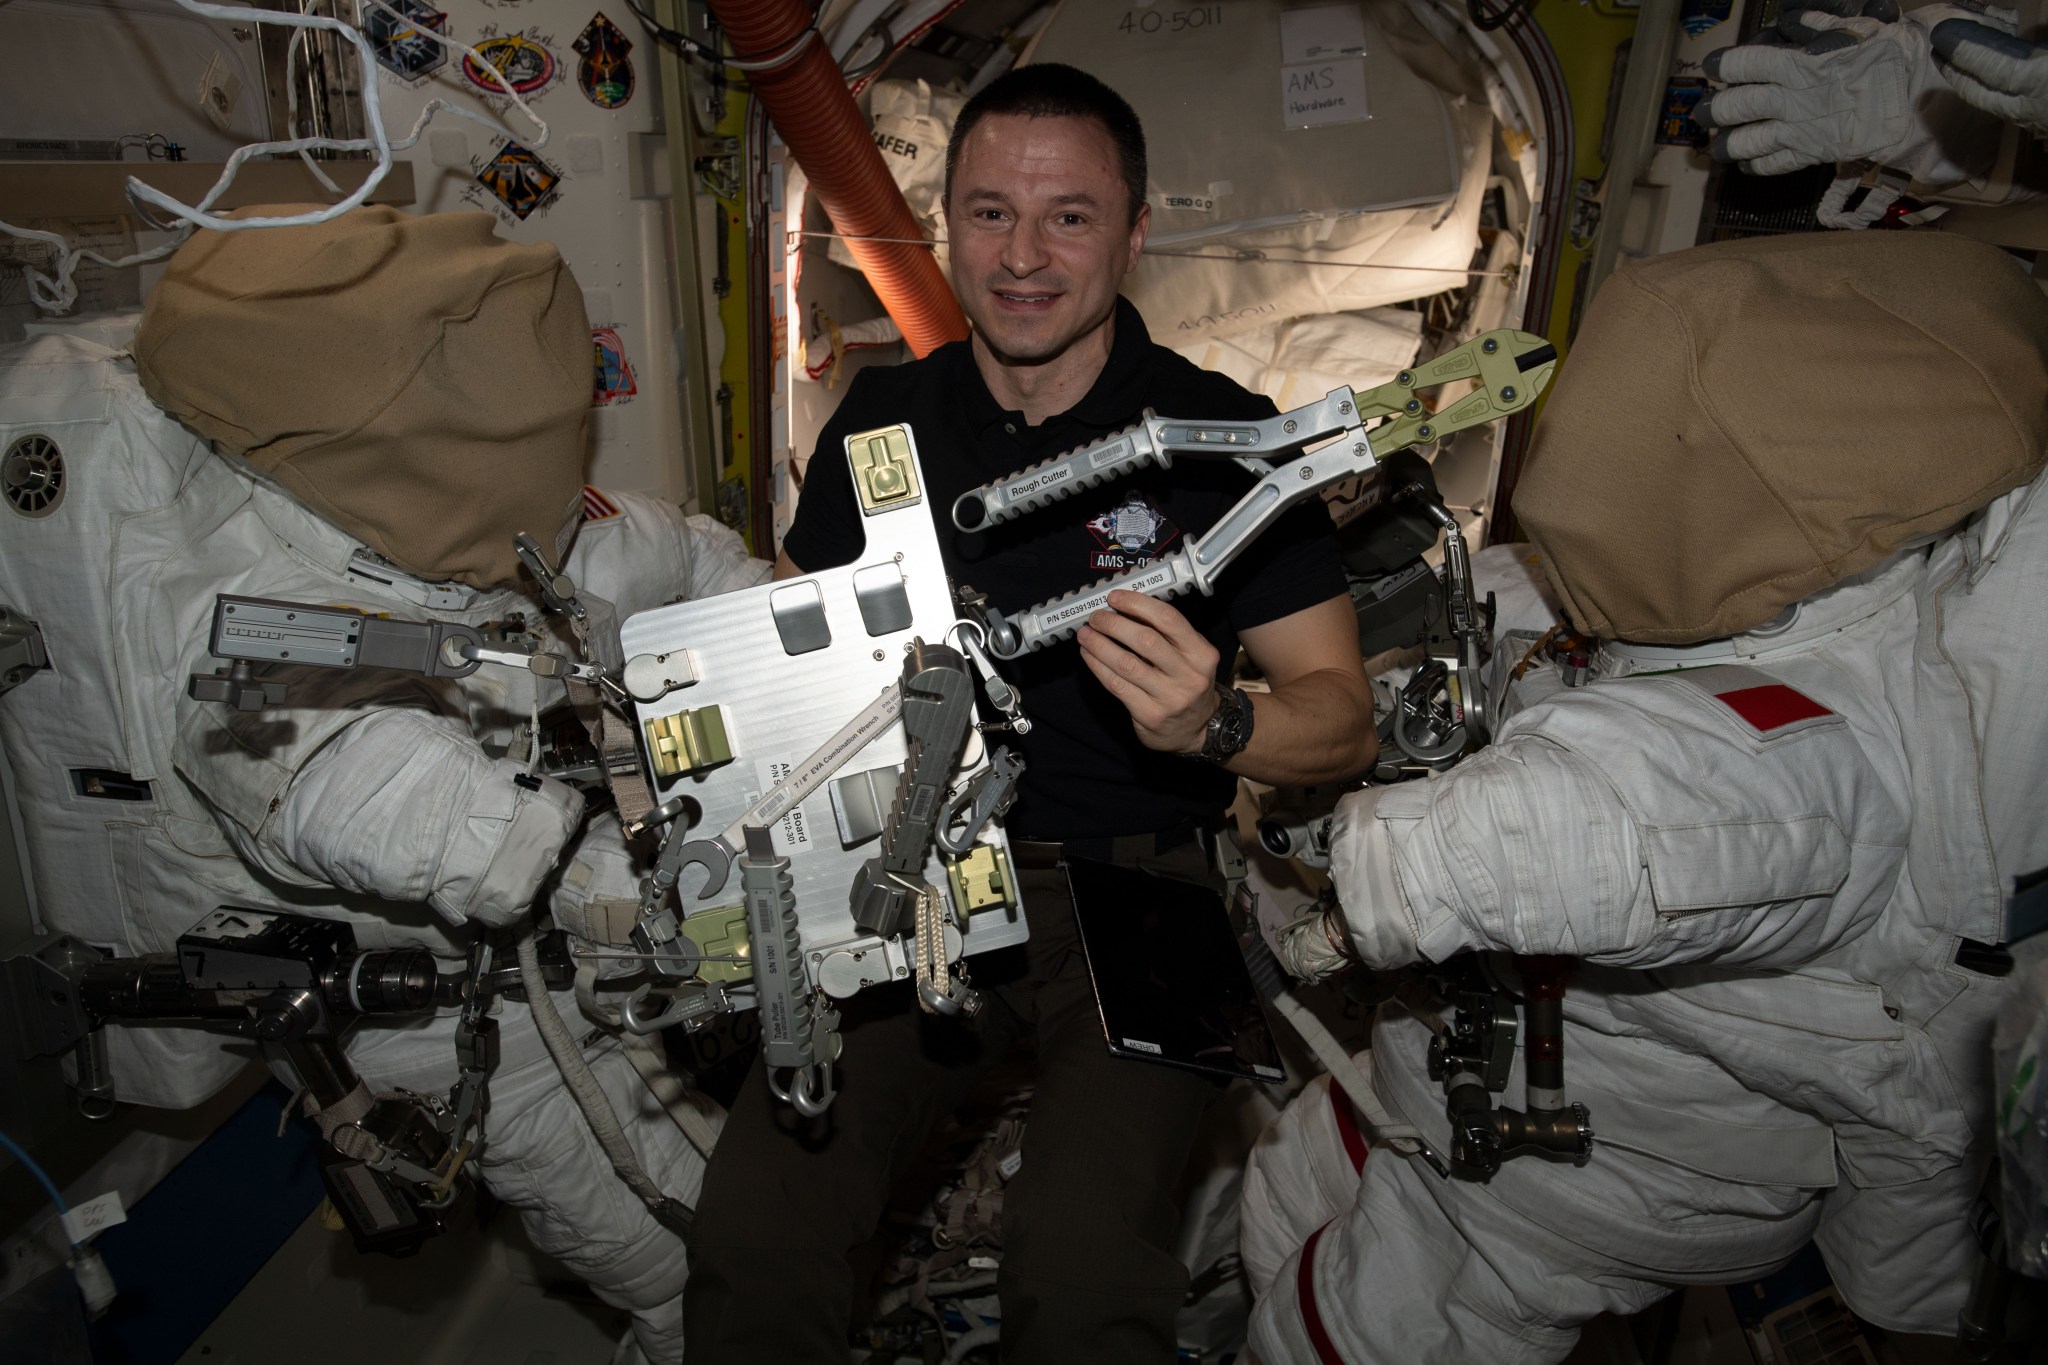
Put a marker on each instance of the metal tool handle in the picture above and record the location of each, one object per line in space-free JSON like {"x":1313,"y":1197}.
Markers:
{"x":1152,"y":441}
{"x":1512,"y":369}
{"x":1196,"y":566}
{"x":1061,"y":476}
{"x":1059,"y":619}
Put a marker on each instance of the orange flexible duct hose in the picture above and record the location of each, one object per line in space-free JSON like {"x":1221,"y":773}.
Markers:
{"x":808,"y":100}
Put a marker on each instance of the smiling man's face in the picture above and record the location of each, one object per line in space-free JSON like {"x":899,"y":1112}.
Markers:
{"x":1041,"y":235}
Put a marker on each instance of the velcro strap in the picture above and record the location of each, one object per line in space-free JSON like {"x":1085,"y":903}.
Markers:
{"x":350,"y":1108}
{"x":616,"y":750}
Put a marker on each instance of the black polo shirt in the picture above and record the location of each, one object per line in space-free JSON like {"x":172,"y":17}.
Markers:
{"x":1086,"y":773}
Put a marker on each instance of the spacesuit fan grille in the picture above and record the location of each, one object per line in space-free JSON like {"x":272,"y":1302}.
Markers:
{"x":32,"y":475}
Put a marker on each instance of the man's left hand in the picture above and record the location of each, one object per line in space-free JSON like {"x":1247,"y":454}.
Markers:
{"x":1158,"y":665}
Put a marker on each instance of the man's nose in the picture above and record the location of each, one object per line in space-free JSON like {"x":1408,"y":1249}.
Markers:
{"x":1026,"y":251}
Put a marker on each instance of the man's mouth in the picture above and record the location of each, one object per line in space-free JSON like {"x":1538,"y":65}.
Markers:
{"x":1021,"y":298}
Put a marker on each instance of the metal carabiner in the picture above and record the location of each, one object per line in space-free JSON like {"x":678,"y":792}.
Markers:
{"x":810,"y":1091}
{"x":633,"y":1016}
{"x":988,"y":794}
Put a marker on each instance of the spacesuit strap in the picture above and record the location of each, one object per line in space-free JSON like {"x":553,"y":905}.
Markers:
{"x":696,"y":1115}
{"x":583,"y":1087}
{"x":613,"y":737}
{"x":1312,"y":1325}
{"x":350,"y":1108}
{"x":586,"y":997}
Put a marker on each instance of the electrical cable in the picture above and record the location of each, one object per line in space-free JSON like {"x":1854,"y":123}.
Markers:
{"x":1489,"y":19}
{"x":56,"y":290}
{"x":291,"y":102}
{"x":28,"y":1163}
{"x":747,"y":62}
{"x":870,"y":67}
{"x":155,"y":146}
{"x":95,"y":1281}
{"x":915,"y":27}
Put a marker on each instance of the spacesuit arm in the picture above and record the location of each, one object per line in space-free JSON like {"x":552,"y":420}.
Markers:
{"x":654,"y":553}
{"x":1527,"y":847}
{"x":719,"y":561}
{"x":1523,"y":847}
{"x":398,"y":802}
{"x":404,"y":805}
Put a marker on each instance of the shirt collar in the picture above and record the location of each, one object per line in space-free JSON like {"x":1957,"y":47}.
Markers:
{"x":1111,"y":401}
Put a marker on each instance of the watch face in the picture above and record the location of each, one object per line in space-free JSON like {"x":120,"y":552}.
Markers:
{"x":1229,"y":728}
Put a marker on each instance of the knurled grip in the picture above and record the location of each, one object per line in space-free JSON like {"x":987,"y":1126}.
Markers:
{"x":1061,"y":618}
{"x":938,"y":707}
{"x":780,"y":982}
{"x":1062,"y":476}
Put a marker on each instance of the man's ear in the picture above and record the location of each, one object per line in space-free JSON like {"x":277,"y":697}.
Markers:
{"x":1141,"y":226}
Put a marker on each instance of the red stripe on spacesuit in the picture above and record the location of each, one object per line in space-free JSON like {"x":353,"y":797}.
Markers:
{"x":596,"y":506}
{"x":1311,"y":1319}
{"x":1347,"y":1126}
{"x":1772,"y":707}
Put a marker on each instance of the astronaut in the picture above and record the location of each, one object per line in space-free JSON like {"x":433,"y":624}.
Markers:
{"x":391,"y":399}
{"x":1792,"y":485}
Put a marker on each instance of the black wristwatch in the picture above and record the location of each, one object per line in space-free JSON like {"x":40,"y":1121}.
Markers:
{"x":1230,"y":728}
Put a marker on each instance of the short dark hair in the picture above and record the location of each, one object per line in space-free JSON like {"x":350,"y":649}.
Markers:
{"x":1049,"y":90}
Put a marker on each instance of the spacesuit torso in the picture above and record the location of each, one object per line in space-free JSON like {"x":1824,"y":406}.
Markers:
{"x":122,"y":577}
{"x":1782,"y":861}
{"x":1772,"y":857}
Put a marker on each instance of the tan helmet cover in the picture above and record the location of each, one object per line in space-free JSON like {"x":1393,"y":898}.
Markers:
{"x":417,"y":381}
{"x":1741,"y":425}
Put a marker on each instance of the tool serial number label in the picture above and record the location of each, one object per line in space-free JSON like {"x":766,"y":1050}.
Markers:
{"x":1137,"y":21}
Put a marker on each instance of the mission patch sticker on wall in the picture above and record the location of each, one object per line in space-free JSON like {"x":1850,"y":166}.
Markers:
{"x":1697,"y":16}
{"x":404,"y":42}
{"x":605,"y":74}
{"x":523,"y":59}
{"x":517,"y":180}
{"x":1676,"y":126}
{"x":614,"y":374}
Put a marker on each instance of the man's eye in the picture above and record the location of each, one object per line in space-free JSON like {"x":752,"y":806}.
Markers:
{"x":989,"y":215}
{"x":1072,"y":220}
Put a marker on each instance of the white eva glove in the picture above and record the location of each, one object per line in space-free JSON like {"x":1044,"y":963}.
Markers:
{"x":1312,"y":946}
{"x":1861,"y":90}
{"x":2005,"y":76}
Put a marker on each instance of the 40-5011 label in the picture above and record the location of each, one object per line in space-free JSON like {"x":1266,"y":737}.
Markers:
{"x":1140,"y":21}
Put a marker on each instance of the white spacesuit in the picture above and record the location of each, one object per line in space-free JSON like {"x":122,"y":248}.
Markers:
{"x":1778,"y":840}
{"x":381,"y":798}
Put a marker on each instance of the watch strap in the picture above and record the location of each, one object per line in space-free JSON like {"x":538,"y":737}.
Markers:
{"x":1230,"y":726}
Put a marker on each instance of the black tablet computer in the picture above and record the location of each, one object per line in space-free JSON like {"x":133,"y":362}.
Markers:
{"x":1169,"y":977}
